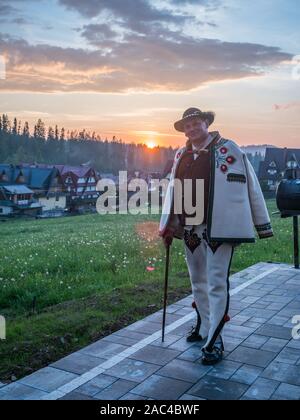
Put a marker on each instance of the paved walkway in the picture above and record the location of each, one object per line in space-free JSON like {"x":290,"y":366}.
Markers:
{"x":262,"y":360}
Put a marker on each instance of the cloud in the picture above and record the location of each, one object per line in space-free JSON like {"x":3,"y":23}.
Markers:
{"x":10,"y":14}
{"x":134,"y":15}
{"x":170,"y":62}
{"x":142,"y":48}
{"x":205,"y":3}
{"x":290,"y":105}
{"x":6,"y":9}
{"x":99,"y":34}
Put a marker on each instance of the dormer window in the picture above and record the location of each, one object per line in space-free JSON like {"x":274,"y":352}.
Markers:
{"x":272,"y":169}
{"x":292,"y":163}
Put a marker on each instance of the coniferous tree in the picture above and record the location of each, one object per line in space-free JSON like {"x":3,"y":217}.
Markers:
{"x":15,"y":127}
{"x":75,"y":148}
{"x":26,"y":132}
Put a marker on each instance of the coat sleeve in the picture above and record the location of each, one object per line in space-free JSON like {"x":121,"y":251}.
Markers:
{"x":260,"y":215}
{"x":169,"y":220}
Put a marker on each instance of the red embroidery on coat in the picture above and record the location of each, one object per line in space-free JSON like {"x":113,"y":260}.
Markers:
{"x":222,"y":160}
{"x":230,"y":160}
{"x":227,"y":318}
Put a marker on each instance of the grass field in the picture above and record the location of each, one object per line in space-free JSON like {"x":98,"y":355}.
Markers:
{"x":65,"y":283}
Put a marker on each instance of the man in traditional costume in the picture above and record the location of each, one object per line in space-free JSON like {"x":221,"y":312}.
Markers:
{"x":233,"y":203}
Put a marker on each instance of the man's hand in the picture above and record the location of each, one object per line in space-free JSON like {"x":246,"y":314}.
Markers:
{"x":168,"y":237}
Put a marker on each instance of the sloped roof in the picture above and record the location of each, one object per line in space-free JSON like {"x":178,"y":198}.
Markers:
{"x":279,"y":157}
{"x":17,"y":189}
{"x":80,"y":171}
{"x":35,"y":178}
{"x":11,"y":171}
{"x":38,"y":178}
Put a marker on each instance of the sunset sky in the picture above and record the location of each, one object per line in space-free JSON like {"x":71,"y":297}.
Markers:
{"x":131,"y":67}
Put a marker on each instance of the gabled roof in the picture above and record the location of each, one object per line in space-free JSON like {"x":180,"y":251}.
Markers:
{"x":38,"y":178}
{"x":35,"y":178}
{"x":80,"y":171}
{"x":279,"y":157}
{"x":17,"y":189}
{"x":12,"y":172}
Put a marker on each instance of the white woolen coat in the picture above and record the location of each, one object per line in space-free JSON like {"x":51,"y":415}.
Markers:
{"x":236,"y":203}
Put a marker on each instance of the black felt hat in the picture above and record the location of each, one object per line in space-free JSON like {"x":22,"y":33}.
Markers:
{"x":194,"y":113}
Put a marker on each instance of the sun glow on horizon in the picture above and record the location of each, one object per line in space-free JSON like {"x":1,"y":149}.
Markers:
{"x":151,"y":144}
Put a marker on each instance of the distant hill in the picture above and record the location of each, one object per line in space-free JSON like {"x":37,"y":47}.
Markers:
{"x":261,"y":149}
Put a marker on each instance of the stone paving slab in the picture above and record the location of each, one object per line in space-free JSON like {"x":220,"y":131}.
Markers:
{"x":47,"y":379}
{"x":116,"y":390}
{"x":17,"y":391}
{"x":261,"y":360}
{"x":96,"y":385}
{"x":78,"y":363}
{"x":218,"y":389}
{"x":133,"y":370}
{"x":262,"y":389}
{"x":253,"y":357}
{"x":162,"y":388}
{"x":287,"y":392}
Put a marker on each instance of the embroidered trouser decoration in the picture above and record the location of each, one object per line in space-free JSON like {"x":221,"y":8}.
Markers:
{"x":209,"y":268}
{"x":192,"y":240}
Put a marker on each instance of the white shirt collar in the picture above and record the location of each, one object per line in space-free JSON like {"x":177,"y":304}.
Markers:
{"x":209,"y":140}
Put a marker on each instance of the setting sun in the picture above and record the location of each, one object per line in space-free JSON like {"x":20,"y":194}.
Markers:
{"x":151,"y":145}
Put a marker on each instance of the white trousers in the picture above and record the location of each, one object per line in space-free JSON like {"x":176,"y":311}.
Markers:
{"x":209,"y":267}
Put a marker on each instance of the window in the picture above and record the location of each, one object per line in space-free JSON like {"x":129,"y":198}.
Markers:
{"x":272,"y":171}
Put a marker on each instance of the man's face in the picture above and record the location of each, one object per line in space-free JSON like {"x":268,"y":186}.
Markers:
{"x":196,"y":129}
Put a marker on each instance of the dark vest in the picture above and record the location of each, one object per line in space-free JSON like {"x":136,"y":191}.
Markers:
{"x":189,"y":168}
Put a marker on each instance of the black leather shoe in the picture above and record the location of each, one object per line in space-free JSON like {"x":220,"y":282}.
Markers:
{"x":215,"y":356}
{"x":194,"y":336}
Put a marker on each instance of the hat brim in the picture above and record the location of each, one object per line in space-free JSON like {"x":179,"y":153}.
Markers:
{"x":209,"y":116}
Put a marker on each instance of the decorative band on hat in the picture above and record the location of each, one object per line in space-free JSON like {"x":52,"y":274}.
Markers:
{"x":195,"y":114}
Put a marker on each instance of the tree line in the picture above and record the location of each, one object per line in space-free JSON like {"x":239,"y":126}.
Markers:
{"x":54,"y":145}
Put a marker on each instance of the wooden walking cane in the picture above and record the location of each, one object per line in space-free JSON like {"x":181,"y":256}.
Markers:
{"x":166,"y":290}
